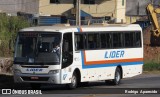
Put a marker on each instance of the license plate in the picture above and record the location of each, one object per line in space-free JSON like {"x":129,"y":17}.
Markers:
{"x":34,"y":77}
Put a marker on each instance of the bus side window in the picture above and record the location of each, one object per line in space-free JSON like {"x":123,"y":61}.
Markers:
{"x":117,"y":40}
{"x":138,"y":39}
{"x":129,"y":38}
{"x":79,"y":41}
{"x":93,"y":41}
{"x":103,"y":40}
{"x":109,"y":40}
{"x":67,"y":50}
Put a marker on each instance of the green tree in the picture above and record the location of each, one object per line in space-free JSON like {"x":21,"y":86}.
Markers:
{"x":9,"y":26}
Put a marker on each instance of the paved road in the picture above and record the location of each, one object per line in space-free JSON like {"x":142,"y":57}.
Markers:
{"x":130,"y":85}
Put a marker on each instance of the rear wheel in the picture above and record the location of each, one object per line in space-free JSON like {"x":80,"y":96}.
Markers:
{"x":74,"y":82}
{"x":35,"y":86}
{"x":117,"y":77}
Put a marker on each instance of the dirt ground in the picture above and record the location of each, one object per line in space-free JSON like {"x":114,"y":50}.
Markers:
{"x":150,"y":53}
{"x":6,"y":65}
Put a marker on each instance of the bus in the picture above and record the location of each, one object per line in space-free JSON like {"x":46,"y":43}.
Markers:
{"x":78,"y":54}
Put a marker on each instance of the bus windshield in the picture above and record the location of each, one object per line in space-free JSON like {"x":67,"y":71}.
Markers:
{"x":38,"y":48}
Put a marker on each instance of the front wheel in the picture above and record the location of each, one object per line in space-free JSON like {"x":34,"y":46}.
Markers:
{"x":74,"y":82}
{"x":117,"y":77}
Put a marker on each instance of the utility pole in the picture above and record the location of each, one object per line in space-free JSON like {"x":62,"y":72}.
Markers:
{"x":78,"y":13}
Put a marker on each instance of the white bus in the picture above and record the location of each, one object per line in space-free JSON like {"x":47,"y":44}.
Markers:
{"x":74,"y":54}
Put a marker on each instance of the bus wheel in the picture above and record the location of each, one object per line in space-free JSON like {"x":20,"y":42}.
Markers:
{"x":35,"y":86}
{"x":117,"y":77}
{"x":74,"y":82}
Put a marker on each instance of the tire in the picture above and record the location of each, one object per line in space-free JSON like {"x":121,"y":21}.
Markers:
{"x":117,"y":77}
{"x":74,"y":82}
{"x":35,"y":86}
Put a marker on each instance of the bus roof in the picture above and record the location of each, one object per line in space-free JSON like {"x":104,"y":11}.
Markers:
{"x":108,"y":27}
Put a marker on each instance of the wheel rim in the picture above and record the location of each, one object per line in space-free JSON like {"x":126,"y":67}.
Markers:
{"x":117,"y":77}
{"x":73,"y":81}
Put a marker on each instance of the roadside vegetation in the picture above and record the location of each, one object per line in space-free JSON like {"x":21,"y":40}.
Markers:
{"x":153,"y":65}
{"x":9,"y":26}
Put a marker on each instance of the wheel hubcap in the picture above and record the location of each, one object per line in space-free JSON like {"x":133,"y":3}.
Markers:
{"x":73,"y":80}
{"x":117,"y":77}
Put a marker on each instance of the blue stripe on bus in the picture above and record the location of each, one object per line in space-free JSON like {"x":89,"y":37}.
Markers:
{"x":108,"y":65}
{"x":79,"y":30}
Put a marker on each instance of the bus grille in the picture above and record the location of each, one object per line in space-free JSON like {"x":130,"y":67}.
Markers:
{"x":39,"y":79}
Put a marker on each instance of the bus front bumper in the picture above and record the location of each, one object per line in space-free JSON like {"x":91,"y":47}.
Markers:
{"x":37,"y":78}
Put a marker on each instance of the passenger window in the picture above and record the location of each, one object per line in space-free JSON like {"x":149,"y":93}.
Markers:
{"x":117,"y":40}
{"x":93,"y":41}
{"x":129,"y":38}
{"x":79,"y":41}
{"x":103,"y":40}
{"x":109,"y":40}
{"x":138,"y":39}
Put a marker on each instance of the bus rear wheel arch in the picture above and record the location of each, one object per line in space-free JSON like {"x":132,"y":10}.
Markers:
{"x":117,"y":77}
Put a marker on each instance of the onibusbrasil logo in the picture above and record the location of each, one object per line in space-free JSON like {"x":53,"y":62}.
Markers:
{"x":13,"y":91}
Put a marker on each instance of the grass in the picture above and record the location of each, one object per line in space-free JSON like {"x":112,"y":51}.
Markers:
{"x":151,"y":66}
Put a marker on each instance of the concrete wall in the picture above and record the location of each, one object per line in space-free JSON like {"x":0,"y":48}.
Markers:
{"x":28,"y":6}
{"x":138,"y":7}
{"x":105,"y":8}
{"x":47,"y":8}
{"x":12,"y":6}
{"x":101,"y":8}
{"x":120,"y":11}
{"x":7,"y":6}
{"x":131,"y":19}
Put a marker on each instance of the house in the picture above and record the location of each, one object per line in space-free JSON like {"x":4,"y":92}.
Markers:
{"x":96,"y":8}
{"x":101,"y":9}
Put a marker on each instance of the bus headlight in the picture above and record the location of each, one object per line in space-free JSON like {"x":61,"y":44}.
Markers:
{"x":53,"y":71}
{"x":17,"y":71}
